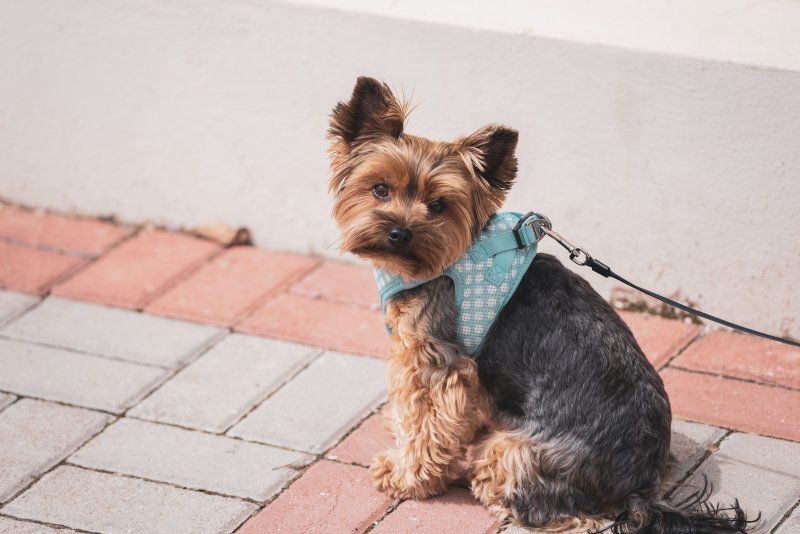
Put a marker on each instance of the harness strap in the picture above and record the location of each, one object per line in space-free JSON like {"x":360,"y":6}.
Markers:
{"x":523,"y":235}
{"x":484,"y":278}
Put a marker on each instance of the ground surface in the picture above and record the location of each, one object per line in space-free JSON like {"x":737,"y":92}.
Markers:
{"x":156,"y":382}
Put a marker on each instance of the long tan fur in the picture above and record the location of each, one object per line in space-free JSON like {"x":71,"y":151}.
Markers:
{"x":434,"y":410}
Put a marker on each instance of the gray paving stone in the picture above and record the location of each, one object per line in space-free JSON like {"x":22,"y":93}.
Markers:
{"x":6,"y":399}
{"x":791,"y":525}
{"x":191,"y":459}
{"x":761,"y":472}
{"x":777,"y":454}
{"x":112,"y":504}
{"x":319,"y":405}
{"x":123,"y":334}
{"x":35,"y":435}
{"x":17,"y":526}
{"x":61,"y":375}
{"x":12,"y":303}
{"x":690,"y":442}
{"x":214,"y":391}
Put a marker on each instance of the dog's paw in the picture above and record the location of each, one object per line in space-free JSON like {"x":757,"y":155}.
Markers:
{"x":380,"y":469}
{"x":389,"y":478}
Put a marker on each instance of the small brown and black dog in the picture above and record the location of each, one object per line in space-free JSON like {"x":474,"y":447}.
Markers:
{"x":576,"y":420}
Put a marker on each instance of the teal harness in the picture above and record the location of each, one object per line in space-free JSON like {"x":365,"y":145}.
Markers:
{"x":484,"y":278}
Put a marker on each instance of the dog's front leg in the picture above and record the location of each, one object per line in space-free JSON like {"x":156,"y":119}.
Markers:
{"x":435,"y":399}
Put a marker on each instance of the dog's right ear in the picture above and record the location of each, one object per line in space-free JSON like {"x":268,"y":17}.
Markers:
{"x":372,"y":112}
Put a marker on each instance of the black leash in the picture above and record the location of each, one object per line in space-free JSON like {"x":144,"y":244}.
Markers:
{"x":580,"y":257}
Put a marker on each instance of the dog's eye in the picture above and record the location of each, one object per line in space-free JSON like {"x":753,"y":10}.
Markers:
{"x":437,"y":206}
{"x":380,"y":191}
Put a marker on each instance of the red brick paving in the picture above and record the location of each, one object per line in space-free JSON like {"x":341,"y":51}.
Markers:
{"x":730,"y":403}
{"x":132,"y":273}
{"x":329,"y":497}
{"x":320,"y":322}
{"x":365,"y":442}
{"x":456,"y":509}
{"x":82,"y":235}
{"x":660,"y":338}
{"x":29,"y":270}
{"x":232,"y":283}
{"x":343,"y":282}
{"x":744,"y":356}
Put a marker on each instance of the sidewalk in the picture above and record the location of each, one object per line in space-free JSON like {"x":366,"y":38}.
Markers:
{"x":152,"y":381}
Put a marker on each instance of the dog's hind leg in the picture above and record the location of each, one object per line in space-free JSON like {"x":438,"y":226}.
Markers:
{"x":503,"y":464}
{"x":506,"y":477}
{"x":436,"y":404}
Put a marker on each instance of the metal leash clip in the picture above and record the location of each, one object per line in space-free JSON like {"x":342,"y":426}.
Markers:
{"x":578,"y":255}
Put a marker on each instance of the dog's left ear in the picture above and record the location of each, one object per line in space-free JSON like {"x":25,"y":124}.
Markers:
{"x":372,"y":112}
{"x":491,"y":151}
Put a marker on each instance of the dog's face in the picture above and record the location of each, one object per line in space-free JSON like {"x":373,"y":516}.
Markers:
{"x":410,"y":205}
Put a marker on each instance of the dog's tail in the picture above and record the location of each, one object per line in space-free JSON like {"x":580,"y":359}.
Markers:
{"x":692,"y":515}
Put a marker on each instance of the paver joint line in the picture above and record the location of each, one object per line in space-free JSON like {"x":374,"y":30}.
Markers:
{"x":67,"y":463}
{"x":53,"y":437}
{"x":175,"y":280}
{"x":710,"y":450}
{"x":682,"y":350}
{"x":57,"y":529}
{"x":788,"y":517}
{"x":14,"y":305}
{"x":171,"y":372}
{"x":190,"y":459}
{"x":150,"y":506}
{"x":275,"y":292}
{"x":56,"y":346}
{"x":733,"y":377}
{"x":228,"y":436}
{"x":59,"y":402}
{"x":316,"y":354}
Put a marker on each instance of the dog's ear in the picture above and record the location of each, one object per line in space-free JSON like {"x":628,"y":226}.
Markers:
{"x":491,"y":152}
{"x":372,"y":112}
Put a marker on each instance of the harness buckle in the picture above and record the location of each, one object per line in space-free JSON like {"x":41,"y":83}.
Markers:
{"x":518,"y":227}
{"x":538,"y":225}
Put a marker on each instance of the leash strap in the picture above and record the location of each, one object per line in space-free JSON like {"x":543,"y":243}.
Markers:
{"x":581,"y":257}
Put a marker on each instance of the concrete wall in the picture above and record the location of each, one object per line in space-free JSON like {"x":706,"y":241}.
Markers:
{"x":680,"y":170}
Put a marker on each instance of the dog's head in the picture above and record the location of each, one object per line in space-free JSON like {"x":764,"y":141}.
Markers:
{"x":410,"y":205}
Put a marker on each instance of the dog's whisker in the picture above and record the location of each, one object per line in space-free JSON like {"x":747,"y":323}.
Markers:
{"x":334,"y":242}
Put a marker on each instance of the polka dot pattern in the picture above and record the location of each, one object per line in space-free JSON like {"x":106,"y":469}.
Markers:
{"x":479,"y":297}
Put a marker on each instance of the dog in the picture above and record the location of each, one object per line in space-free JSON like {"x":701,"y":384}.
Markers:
{"x":576,"y":421}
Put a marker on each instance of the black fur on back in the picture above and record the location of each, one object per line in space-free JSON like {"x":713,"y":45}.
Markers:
{"x":563,"y":368}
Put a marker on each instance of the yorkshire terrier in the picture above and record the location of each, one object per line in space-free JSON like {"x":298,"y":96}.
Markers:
{"x":576,"y":420}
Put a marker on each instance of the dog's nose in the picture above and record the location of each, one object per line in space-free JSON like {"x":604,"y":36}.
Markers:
{"x":399,"y":237}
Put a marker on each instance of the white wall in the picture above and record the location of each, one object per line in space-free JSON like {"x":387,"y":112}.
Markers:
{"x":681,"y":172}
{"x":764,"y":32}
